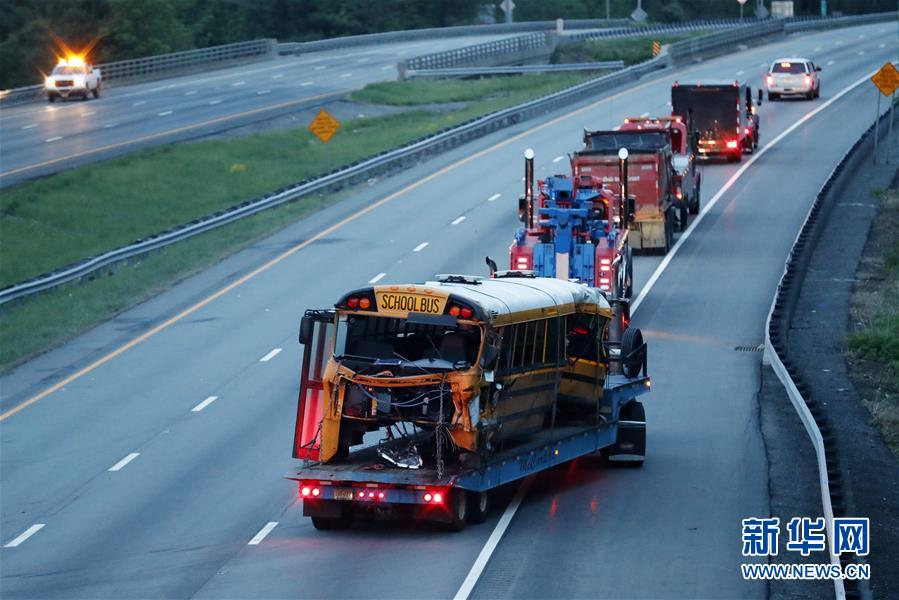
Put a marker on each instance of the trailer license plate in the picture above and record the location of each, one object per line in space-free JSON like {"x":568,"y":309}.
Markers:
{"x":343,"y":494}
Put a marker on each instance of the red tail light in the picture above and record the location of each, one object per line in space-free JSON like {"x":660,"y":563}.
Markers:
{"x":433,"y":497}
{"x":808,"y":80}
{"x":308,"y":490}
{"x":748,"y":131}
{"x":732,"y":144}
{"x":460,"y":310}
{"x":353,"y":302}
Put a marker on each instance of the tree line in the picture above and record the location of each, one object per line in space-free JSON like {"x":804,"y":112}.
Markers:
{"x":34,"y":32}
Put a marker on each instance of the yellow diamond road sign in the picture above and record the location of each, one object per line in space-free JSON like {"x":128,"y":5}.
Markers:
{"x":886,"y":79}
{"x":324,"y":125}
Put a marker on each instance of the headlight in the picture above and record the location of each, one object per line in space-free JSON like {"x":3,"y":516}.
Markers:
{"x":79,"y":81}
{"x":49,"y":82}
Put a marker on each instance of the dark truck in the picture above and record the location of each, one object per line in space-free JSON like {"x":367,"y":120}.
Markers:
{"x":721,"y":117}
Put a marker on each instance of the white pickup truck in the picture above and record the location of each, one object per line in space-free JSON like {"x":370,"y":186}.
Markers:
{"x":73,"y":77}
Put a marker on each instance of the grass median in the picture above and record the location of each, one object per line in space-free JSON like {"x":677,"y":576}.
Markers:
{"x":631,"y":50}
{"x":52,"y":222}
{"x":874,"y":346}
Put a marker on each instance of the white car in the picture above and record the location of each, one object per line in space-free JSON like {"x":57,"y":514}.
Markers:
{"x":789,"y":76}
{"x":73,"y":77}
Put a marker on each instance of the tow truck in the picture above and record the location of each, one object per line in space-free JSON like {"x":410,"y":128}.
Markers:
{"x":649,"y":180}
{"x":73,"y":76}
{"x":721,"y":115}
{"x":418,"y":401}
{"x":574,"y":229}
{"x":687,"y":179}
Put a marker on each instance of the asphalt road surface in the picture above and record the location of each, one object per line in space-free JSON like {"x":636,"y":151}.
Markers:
{"x":42,"y":138}
{"x":143,"y":493}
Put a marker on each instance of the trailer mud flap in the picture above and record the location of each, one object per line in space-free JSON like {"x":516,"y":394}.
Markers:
{"x":647,"y":235}
{"x":630,"y":444}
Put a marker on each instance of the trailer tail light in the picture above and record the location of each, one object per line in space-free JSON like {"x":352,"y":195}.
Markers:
{"x":680,"y":195}
{"x":308,"y":490}
{"x":460,"y":310}
{"x":732,"y":144}
{"x":433,"y":497}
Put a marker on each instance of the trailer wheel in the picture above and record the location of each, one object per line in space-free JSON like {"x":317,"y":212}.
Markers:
{"x":669,"y":231}
{"x":629,"y":449}
{"x":478,"y":506}
{"x":459,"y":507}
{"x":682,"y":217}
{"x":631,"y":339}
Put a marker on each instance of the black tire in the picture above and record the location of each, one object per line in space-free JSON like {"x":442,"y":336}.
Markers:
{"x":682,"y":212}
{"x":818,"y":91}
{"x":86,"y":95}
{"x":772,"y":97}
{"x":694,"y":201}
{"x":669,"y":231}
{"x":332,"y":523}
{"x":633,"y":412}
{"x":458,"y":505}
{"x":51,"y":98}
{"x":631,"y":340}
{"x":97,"y":91}
{"x":629,"y":275}
{"x":478,"y":507}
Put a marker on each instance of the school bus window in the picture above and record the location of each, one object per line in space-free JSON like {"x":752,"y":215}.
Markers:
{"x":528,"y":356}
{"x":555,"y":353}
{"x":540,"y":343}
{"x":582,"y":338}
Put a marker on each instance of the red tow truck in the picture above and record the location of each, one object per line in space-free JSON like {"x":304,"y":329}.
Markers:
{"x":649,"y":180}
{"x":687,"y":179}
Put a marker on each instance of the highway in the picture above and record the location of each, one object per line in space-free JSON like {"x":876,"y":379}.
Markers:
{"x":150,"y":450}
{"x":42,"y":138}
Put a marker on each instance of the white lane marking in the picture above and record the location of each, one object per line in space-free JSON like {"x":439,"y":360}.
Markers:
{"x":740,"y":72}
{"x":25,"y":535}
{"x":204,"y":404}
{"x":459,"y":220}
{"x":377,"y":278}
{"x":831,"y":62}
{"x":164,"y":87}
{"x":487,"y":551}
{"x":816,"y":49}
{"x":386,"y":67}
{"x":190,"y":93}
{"x":729,"y":184}
{"x":320,"y":68}
{"x":215,"y":102}
{"x":139,"y":103}
{"x":420,"y":247}
{"x":861,"y":52}
{"x":345,"y":75}
{"x":363,"y":60}
{"x":305,"y":83}
{"x":53,"y":139}
{"x":493,"y":197}
{"x":270,"y":355}
{"x":89,"y":113}
{"x":108,"y":125}
{"x":30,"y":126}
{"x":238,"y":83}
{"x":262,"y":533}
{"x":558,"y":158}
{"x":121,"y":464}
{"x":164,"y":113}
{"x":882,"y":46}
{"x":277,"y":75}
{"x":839,"y":42}
{"x":261,"y":92}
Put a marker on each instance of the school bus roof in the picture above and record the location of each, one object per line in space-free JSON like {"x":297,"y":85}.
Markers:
{"x":507,"y":299}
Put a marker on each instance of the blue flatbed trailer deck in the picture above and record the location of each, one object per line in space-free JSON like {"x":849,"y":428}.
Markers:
{"x":363,"y":476}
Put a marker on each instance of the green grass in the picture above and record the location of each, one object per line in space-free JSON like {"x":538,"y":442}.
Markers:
{"x":630,"y":50}
{"x":52,"y":222}
{"x":425,"y":91}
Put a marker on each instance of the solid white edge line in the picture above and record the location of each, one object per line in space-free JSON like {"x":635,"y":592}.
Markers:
{"x":262,"y":533}
{"x":493,"y":541}
{"x":30,"y":126}
{"x":420,"y":247}
{"x":377,"y":278}
{"x":271,"y":355}
{"x":204,"y":404}
{"x":458,"y":220}
{"x":53,"y":139}
{"x":215,"y":102}
{"x":25,"y":535}
{"x":121,"y":464}
{"x":493,"y":197}
{"x":483,"y":558}
{"x":729,"y":184}
{"x":558,"y":158}
{"x":108,"y":125}
{"x":165,"y":113}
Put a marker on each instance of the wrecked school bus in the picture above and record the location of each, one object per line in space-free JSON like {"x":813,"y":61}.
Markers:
{"x":418,"y":400}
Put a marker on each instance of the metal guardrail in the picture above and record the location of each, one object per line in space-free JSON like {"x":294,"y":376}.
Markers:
{"x":514,"y":70}
{"x":479,"y":52}
{"x":778,"y":322}
{"x":668,"y":28}
{"x":140,"y":68}
{"x":700,"y":46}
{"x":384,"y":163}
{"x":812,"y":23}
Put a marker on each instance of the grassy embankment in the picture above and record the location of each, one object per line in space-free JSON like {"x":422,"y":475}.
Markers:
{"x":875,"y":346}
{"x":52,"y":222}
{"x":630,"y":50}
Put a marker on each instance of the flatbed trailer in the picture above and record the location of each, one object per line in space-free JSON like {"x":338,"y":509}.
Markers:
{"x":362,"y":483}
